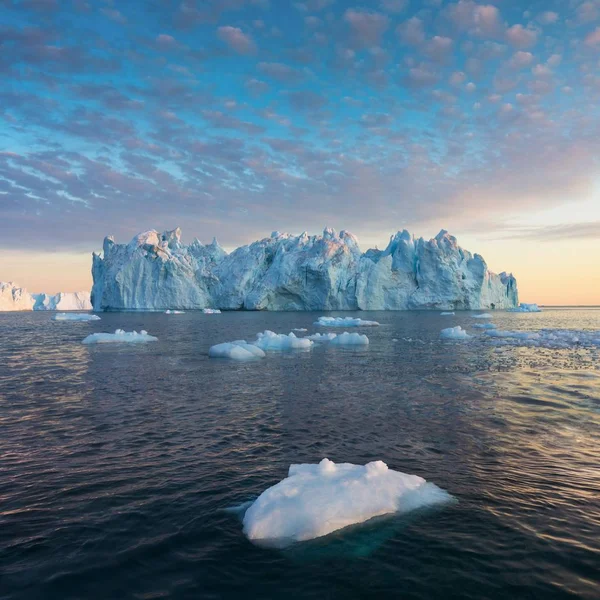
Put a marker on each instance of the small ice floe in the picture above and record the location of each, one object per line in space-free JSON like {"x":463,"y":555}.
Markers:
{"x":344,"y":322}
{"x":119,"y":336}
{"x":447,"y":314}
{"x":269,"y":340}
{"x":238,"y":350}
{"x":454,"y":333}
{"x":315,"y":500}
{"x":75,"y":317}
{"x":174,"y":312}
{"x":484,"y":326}
{"x":300,"y":329}
{"x":482,"y":316}
{"x":350,"y":339}
{"x":559,"y":339}
{"x":211,"y":311}
{"x":321,"y":337}
{"x":526,"y":308}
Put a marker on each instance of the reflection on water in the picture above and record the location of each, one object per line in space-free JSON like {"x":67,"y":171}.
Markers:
{"x":118,"y":462}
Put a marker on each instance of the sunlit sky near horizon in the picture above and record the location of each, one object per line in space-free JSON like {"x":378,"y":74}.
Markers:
{"x":233,"y":118}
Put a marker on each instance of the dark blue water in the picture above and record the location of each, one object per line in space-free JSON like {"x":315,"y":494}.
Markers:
{"x":119,"y":462}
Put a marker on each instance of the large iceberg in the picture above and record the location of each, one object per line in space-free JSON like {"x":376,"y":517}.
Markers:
{"x":156,"y":271}
{"x":315,"y":500}
{"x":13,"y":297}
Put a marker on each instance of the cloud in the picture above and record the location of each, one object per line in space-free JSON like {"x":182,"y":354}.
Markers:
{"x":281,"y":72}
{"x":393,"y":6}
{"x":236,"y":39}
{"x":593,"y":38}
{"x":521,"y":37}
{"x":548,"y":17}
{"x":554,"y":233}
{"x":367,"y":28}
{"x":411,"y":32}
{"x":306,"y":100}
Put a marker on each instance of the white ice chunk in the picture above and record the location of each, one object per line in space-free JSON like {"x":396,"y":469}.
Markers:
{"x":269,"y":340}
{"x":321,"y":337}
{"x":484,"y":326}
{"x":132,"y":337}
{"x":350,"y":339}
{"x":75,"y":317}
{"x":211,"y":311}
{"x":300,"y":329}
{"x":344,"y":322}
{"x":447,"y":314}
{"x":483,"y":316}
{"x":238,"y":350}
{"x":526,"y":308}
{"x":315,"y":500}
{"x":174,"y":312}
{"x":454,"y":333}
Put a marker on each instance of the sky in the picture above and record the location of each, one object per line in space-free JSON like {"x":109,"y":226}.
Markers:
{"x":233,"y":118}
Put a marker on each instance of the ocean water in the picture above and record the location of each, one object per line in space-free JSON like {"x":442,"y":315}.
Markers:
{"x":120,"y":464}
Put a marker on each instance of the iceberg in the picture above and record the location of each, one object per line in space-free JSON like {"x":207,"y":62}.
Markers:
{"x":526,"y":308}
{"x":447,"y":314}
{"x":211,"y":311}
{"x":157,"y":271}
{"x":268,"y":340}
{"x":174,"y":312}
{"x":316,"y":500}
{"x":120,"y":336}
{"x":483,"y":316}
{"x":484,"y":326}
{"x":75,"y":317}
{"x":454,"y":333}
{"x":321,"y":337}
{"x":238,"y":350}
{"x":344,"y":322}
{"x":13,"y":297}
{"x":300,"y":329}
{"x":350,"y":339}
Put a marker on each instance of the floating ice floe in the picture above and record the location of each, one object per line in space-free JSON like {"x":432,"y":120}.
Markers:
{"x":269,"y":340}
{"x":321,"y":337}
{"x":559,"y":339}
{"x":482,"y":316}
{"x":454,"y":333}
{"x":174,"y":312}
{"x":447,"y":314}
{"x":315,"y":500}
{"x":238,"y":350}
{"x":300,"y":329}
{"x":484,"y":326}
{"x":526,"y":308}
{"x":350,"y":339}
{"x":344,"y":322}
{"x":132,"y":337}
{"x":75,"y":317}
{"x":211,"y":311}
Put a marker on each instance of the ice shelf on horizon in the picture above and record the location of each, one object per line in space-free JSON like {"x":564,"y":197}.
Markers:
{"x":287,"y":272}
{"x":13,"y":297}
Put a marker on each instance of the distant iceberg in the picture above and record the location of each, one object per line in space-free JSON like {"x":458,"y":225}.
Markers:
{"x":484,"y":326}
{"x":156,"y":271}
{"x":482,"y":316}
{"x":350,"y":339}
{"x":120,"y":336}
{"x":268,"y":340}
{"x":447,"y":314}
{"x":344,"y":322}
{"x":174,"y":312}
{"x":75,"y":317}
{"x":211,"y":311}
{"x":526,"y":308}
{"x":13,"y":298}
{"x":238,"y":350}
{"x":316,"y":500}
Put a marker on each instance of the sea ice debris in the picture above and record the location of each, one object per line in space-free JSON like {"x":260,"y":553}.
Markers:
{"x":131,"y":337}
{"x":75,"y":317}
{"x":238,"y":350}
{"x":344,"y":322}
{"x":454,"y":333}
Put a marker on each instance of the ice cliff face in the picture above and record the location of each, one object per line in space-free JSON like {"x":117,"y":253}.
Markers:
{"x":285,"y":272}
{"x":13,"y":297}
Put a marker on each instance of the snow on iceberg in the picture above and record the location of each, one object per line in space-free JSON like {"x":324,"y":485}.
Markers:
{"x":119,"y":336}
{"x":484,"y":326}
{"x":211,"y":311}
{"x":483,"y":316}
{"x":447,"y":314}
{"x":350,"y":339}
{"x":526,"y":308}
{"x":315,"y":500}
{"x":174,"y":312}
{"x":238,"y":350}
{"x":454,"y":333}
{"x":558,"y":339}
{"x":75,"y":317}
{"x":269,"y":340}
{"x":344,"y":322}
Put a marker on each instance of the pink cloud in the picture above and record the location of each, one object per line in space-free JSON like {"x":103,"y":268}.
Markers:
{"x":411,"y":32}
{"x":521,"y":37}
{"x":593,"y":38}
{"x":367,"y":27}
{"x":520,"y":60}
{"x":236,"y":39}
{"x":548,"y":18}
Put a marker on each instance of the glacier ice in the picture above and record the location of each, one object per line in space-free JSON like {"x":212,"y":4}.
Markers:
{"x":75,"y":317}
{"x":269,"y":340}
{"x":120,"y":336}
{"x":156,"y":271}
{"x":454,"y":333}
{"x":344,"y":322}
{"x":315,"y":500}
{"x":350,"y":339}
{"x":13,"y":297}
{"x":238,"y":350}
{"x":526,"y":308}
